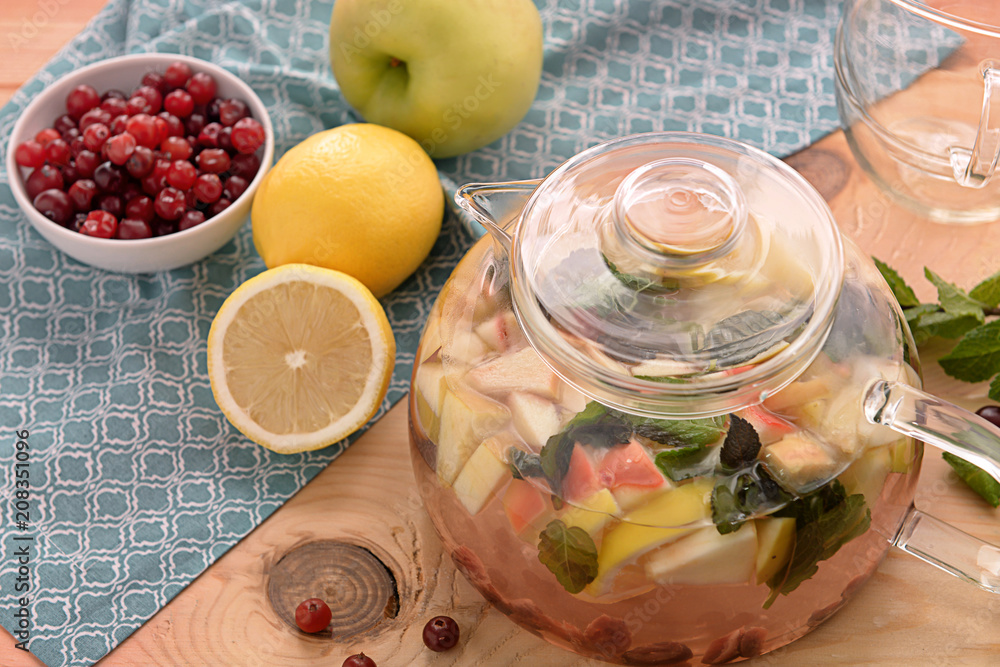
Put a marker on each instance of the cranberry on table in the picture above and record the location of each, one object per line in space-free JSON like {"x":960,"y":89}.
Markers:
{"x":55,"y":205}
{"x":80,"y":100}
{"x":990,"y":413}
{"x":313,"y":615}
{"x":441,"y":633}
{"x":359,"y":660}
{"x":30,"y":154}
{"x":99,"y":224}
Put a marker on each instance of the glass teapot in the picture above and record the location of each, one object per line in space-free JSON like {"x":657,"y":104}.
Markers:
{"x":664,"y":411}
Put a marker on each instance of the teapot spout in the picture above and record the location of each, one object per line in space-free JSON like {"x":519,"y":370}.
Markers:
{"x":496,"y":206}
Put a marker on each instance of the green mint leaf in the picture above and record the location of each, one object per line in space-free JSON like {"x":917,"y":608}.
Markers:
{"x":742,"y":444}
{"x":568,"y":553}
{"x":740,"y":497}
{"x":977,"y":478}
{"x":826,"y":520}
{"x":946,"y":325}
{"x":739,"y":338}
{"x":596,"y":425}
{"x":679,"y":432}
{"x":914,"y":316}
{"x":995,"y":389}
{"x":524,"y":464}
{"x":638,"y":284}
{"x":977,"y":356}
{"x":954,"y":300}
{"x":904,"y":295}
{"x":683,"y":463}
{"x":988,"y":291}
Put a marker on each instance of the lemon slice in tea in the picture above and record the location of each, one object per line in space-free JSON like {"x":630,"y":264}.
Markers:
{"x":300,"y":357}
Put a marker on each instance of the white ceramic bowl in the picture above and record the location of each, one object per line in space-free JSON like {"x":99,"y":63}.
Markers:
{"x":138,"y":255}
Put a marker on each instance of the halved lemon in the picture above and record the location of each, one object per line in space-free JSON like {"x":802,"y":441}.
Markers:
{"x":300,"y":357}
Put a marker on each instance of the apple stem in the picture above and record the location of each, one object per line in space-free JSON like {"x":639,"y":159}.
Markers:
{"x":395,"y":62}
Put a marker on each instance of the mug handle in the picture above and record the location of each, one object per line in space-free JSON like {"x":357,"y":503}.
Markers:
{"x":920,"y":415}
{"x":975,"y":168}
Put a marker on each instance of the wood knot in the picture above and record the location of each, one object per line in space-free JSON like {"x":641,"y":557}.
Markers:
{"x":356,"y":584}
{"x":825,"y":170}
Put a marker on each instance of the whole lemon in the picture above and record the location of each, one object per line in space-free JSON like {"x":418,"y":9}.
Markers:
{"x":362,"y":199}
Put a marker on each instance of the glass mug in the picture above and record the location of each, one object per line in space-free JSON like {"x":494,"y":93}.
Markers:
{"x":918,"y":93}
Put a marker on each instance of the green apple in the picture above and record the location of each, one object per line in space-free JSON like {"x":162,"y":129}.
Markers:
{"x":453,"y":74}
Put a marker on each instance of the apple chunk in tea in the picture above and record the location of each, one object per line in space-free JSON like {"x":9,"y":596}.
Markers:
{"x":614,"y":505}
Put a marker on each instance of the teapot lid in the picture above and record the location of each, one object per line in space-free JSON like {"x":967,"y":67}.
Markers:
{"x":676,"y":274}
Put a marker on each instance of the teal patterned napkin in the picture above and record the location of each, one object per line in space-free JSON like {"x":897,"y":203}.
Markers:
{"x":137,"y":482}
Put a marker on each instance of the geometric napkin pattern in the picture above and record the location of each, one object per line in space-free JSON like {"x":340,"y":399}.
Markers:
{"x":137,"y":481}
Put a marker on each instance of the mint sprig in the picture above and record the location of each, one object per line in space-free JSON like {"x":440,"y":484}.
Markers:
{"x":957,"y":315}
{"x":975,"y":358}
{"x":569,"y":553}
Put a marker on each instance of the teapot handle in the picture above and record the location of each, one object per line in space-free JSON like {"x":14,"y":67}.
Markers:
{"x":923,"y":416}
{"x":974,"y":168}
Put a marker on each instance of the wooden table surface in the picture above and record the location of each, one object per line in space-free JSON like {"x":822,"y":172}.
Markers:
{"x":909,"y":613}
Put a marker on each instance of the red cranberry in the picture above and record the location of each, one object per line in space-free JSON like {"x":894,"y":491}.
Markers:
{"x":231,"y":110}
{"x":46,"y":136}
{"x":163,"y":227}
{"x":207,"y":188}
{"x":152,"y":96}
{"x":247,"y":135}
{"x":313,"y":615}
{"x":234,"y":187}
{"x":113,"y":94}
{"x":990,"y":413}
{"x":140,"y":208}
{"x":170,"y":203}
{"x":115,"y":106}
{"x":182,"y":175}
{"x":202,"y":88}
{"x":209,"y":136}
{"x":194,"y":124}
{"x":138,"y":104}
{"x":132,"y":228}
{"x":441,"y":633}
{"x":82,"y":193}
{"x":95,"y":135}
{"x":155,"y":80}
{"x":245,"y":165}
{"x":108,"y":177}
{"x":179,"y":103}
{"x":359,"y":660}
{"x":121,"y":147}
{"x":176,"y":148}
{"x":118,"y":125}
{"x":226,"y":140}
{"x":140,"y":163}
{"x":190,"y":219}
{"x":55,"y":205}
{"x":80,"y":100}
{"x":70,"y":174}
{"x":86,"y":162}
{"x":100,"y":224}
{"x":93,"y":116}
{"x":71,"y":134}
{"x":218,"y":207}
{"x":142,"y":127}
{"x":44,"y":178}
{"x":64,"y":124}
{"x":213,"y":160}
{"x":175,"y":126}
{"x":177,"y":74}
{"x":111,"y":203}
{"x":30,"y":154}
{"x":57,"y":152}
